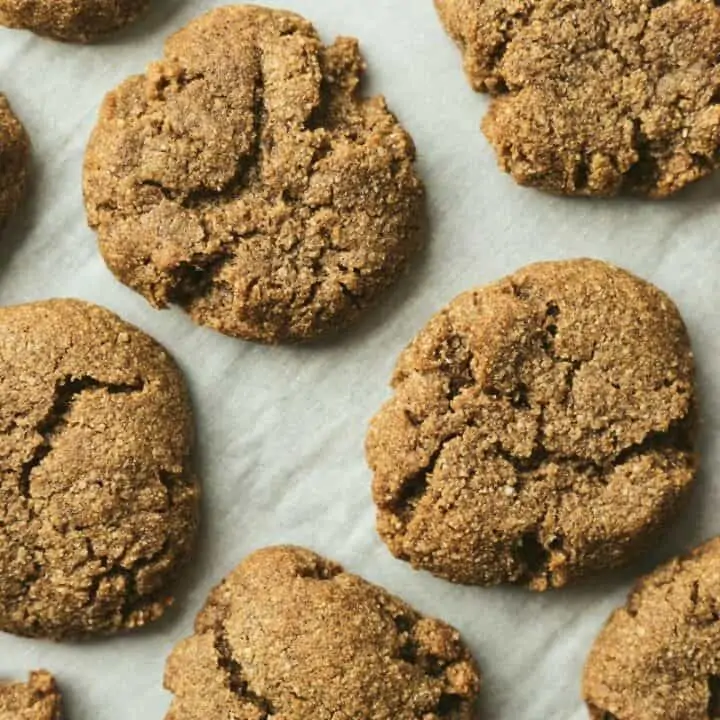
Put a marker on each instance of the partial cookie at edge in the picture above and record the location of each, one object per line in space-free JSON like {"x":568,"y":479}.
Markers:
{"x":14,"y":158}
{"x":596,"y":98}
{"x":274,"y":633}
{"x":71,"y":20}
{"x":657,"y":657}
{"x":38,"y":699}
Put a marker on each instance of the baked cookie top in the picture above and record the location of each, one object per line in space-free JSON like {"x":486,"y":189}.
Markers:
{"x":70,"y":20}
{"x":14,"y":152}
{"x":244,"y":179}
{"x":38,"y":699}
{"x":657,"y":657}
{"x":596,"y":98}
{"x":291,"y":634}
{"x":541,"y":428}
{"x":98,"y":497}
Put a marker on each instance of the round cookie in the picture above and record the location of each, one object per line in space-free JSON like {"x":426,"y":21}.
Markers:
{"x":244,"y":179}
{"x":98,"y":497}
{"x":596,"y":98}
{"x":291,"y":634}
{"x":38,"y":699}
{"x":657,"y":658}
{"x":70,"y":20}
{"x":541,"y":428}
{"x":14,"y":152}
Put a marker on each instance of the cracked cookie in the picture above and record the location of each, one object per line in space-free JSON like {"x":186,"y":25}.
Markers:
{"x":596,"y":98}
{"x":541,"y":428}
{"x":657,"y":657}
{"x":70,"y":20}
{"x":14,"y":152}
{"x":244,"y":179}
{"x":98,"y":497}
{"x":291,"y":634}
{"x":38,"y":699}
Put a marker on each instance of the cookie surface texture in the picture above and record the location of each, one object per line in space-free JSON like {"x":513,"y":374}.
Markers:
{"x":98,"y":496}
{"x":541,"y":428}
{"x":70,"y":20}
{"x":38,"y":699}
{"x":657,"y":657}
{"x":244,"y":179}
{"x":14,"y":153}
{"x":292,"y":635}
{"x":596,"y":98}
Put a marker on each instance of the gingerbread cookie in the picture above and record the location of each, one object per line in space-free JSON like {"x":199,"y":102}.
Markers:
{"x":98,"y":496}
{"x":70,"y":20}
{"x":38,"y":699}
{"x":14,"y":152}
{"x":657,"y":658}
{"x":541,"y":428}
{"x":596,"y":98}
{"x":291,"y":634}
{"x":244,"y":179}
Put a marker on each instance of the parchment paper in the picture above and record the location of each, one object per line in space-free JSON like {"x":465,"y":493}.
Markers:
{"x":281,"y":430}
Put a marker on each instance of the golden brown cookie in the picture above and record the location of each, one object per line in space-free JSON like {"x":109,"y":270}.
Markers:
{"x":97,"y":492}
{"x":596,"y":98}
{"x":14,"y":152}
{"x":244,"y":179}
{"x":70,"y":20}
{"x":657,"y":658}
{"x":291,"y":634}
{"x":541,"y":428}
{"x":38,"y":699}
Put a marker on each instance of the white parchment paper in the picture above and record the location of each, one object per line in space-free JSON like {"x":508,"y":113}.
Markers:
{"x":281,"y":430}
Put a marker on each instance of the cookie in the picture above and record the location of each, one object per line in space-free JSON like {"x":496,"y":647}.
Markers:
{"x":596,"y":98}
{"x":38,"y":699}
{"x":541,"y":428}
{"x":657,"y":657}
{"x":14,"y":152}
{"x":291,"y":634}
{"x":98,"y":497}
{"x":70,"y":20}
{"x":244,"y":179}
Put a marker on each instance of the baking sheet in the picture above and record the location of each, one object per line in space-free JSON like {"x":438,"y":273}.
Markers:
{"x":281,"y":430}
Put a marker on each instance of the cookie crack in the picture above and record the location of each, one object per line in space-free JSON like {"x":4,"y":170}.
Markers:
{"x":675,"y":436}
{"x":235,"y":680}
{"x":414,"y":487}
{"x":192,"y":279}
{"x":174,"y":483}
{"x":713,"y":683}
{"x":409,"y":650}
{"x":507,"y":27}
{"x":598,"y":713}
{"x":133,"y":599}
{"x":66,"y":392}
